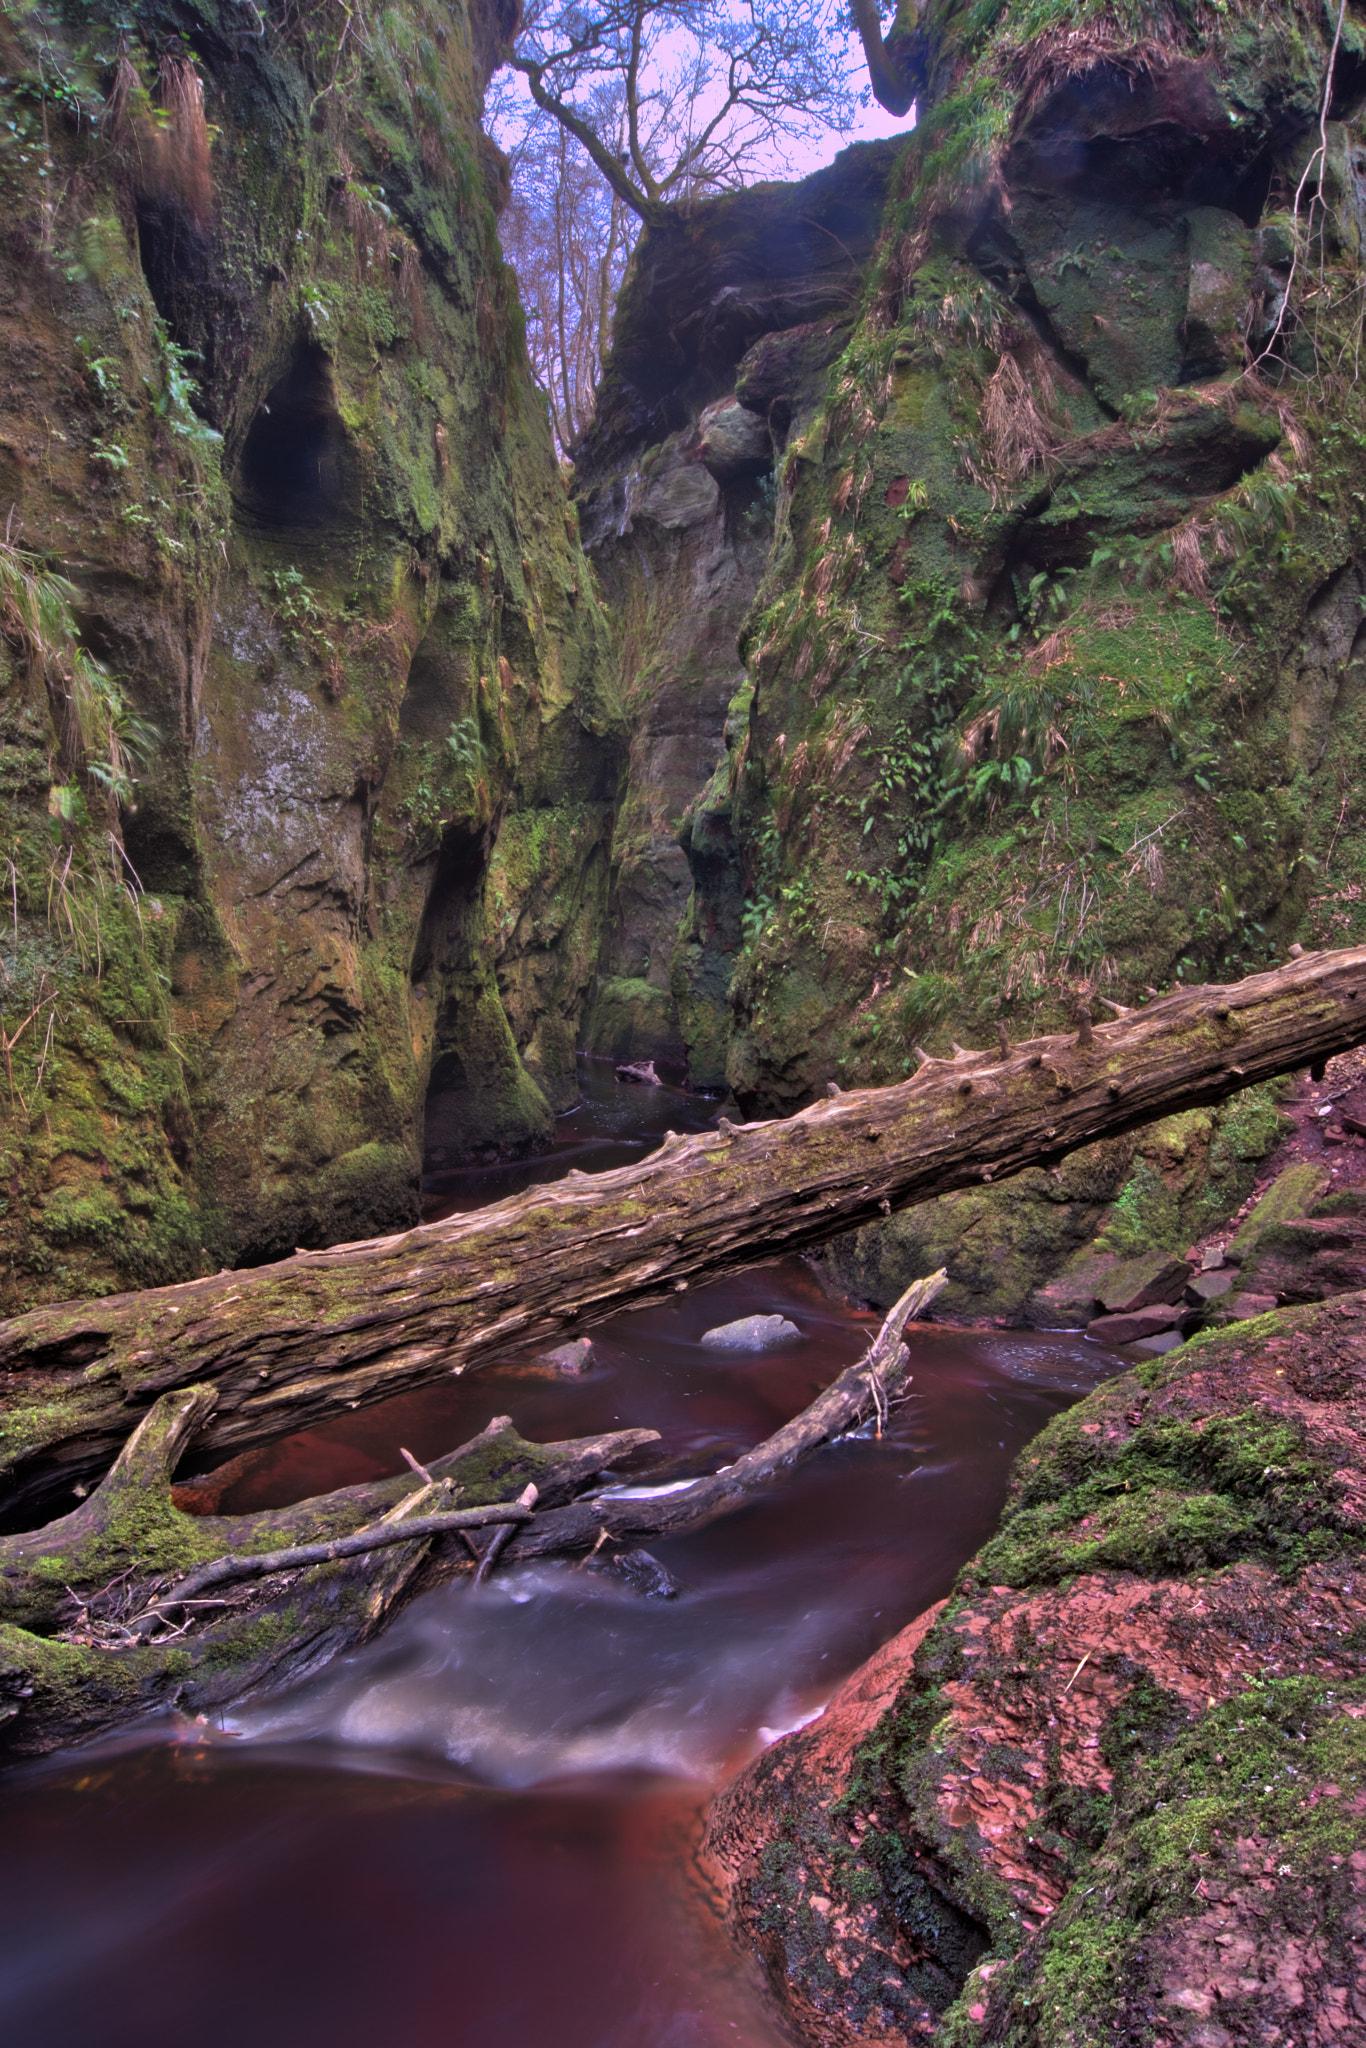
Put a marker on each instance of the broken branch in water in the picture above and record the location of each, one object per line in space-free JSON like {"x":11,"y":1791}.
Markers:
{"x":498,"y":1542}
{"x":266,"y":1563}
{"x":860,"y":1391}
{"x":62,"y":1681}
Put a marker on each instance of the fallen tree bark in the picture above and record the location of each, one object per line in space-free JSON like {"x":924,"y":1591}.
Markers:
{"x":288,"y":1345}
{"x":91,"y":1591}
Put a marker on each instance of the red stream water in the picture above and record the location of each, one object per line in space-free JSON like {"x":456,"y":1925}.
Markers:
{"x":480,"y":1829}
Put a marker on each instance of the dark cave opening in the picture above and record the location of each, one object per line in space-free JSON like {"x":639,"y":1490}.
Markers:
{"x":298,"y":468}
{"x":444,"y":971}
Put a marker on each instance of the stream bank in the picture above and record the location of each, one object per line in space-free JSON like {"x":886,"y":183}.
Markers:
{"x":1113,"y":1788}
{"x":492,"y":1813}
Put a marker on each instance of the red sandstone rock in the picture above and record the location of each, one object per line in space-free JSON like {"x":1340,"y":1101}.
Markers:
{"x":1128,"y":1329}
{"x":1022,"y":1694}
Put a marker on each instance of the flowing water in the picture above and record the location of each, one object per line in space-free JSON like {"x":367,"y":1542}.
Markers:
{"x":481,"y":1828}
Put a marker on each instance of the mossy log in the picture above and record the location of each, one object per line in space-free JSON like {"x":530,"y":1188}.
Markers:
{"x":289,"y":1345}
{"x":73,"y":1661}
{"x":129,"y":1605}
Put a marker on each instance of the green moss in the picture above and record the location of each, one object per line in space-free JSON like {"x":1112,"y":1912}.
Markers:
{"x":1290,"y":1196}
{"x":1170,"y":1496}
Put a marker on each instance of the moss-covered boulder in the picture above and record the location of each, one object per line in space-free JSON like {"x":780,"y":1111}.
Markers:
{"x":1041,"y":1251}
{"x":1111,"y":1788}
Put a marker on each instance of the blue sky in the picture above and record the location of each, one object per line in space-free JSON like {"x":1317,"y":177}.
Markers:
{"x":874,"y":121}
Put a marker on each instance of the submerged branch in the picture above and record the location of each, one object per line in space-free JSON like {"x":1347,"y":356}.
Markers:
{"x":223,"y":1570}
{"x":310,"y":1600}
{"x":861,"y":1392}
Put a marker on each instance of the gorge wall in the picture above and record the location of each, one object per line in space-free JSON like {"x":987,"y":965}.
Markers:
{"x":270,"y":454}
{"x":1050,"y":687}
{"x":979,"y":519}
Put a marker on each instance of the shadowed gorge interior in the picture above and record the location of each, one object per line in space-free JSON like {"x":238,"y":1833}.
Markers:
{"x":824,"y":716}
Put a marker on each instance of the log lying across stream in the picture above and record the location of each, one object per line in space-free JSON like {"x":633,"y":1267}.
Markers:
{"x":101,"y":1622}
{"x":288,"y":1345}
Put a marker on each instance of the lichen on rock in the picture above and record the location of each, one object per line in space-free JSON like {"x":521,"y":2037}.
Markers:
{"x":1112,"y":1787}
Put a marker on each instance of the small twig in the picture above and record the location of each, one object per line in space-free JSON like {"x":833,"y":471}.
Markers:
{"x":879,"y":1399}
{"x":268,"y":1562}
{"x":527,"y":1499}
{"x":1076,"y":1675}
{"x":1342,"y":813}
{"x":47,"y":1046}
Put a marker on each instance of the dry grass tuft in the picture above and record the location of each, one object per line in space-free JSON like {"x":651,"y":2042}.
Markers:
{"x":1018,"y":422}
{"x":1049,"y":62}
{"x":182,"y":141}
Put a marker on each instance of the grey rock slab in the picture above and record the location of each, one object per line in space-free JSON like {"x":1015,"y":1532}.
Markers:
{"x":1244,"y":1306}
{"x":1206,"y":1287}
{"x":752,"y":1333}
{"x":1151,"y":1321}
{"x":1168,"y":1340}
{"x":572,"y":1358}
{"x":734,"y":442}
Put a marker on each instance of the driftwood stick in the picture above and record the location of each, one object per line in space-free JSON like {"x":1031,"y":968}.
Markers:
{"x":292,"y":1344}
{"x":266,"y":1562}
{"x":499,"y":1540}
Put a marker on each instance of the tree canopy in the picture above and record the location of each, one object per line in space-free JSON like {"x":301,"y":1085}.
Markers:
{"x":673,"y":98}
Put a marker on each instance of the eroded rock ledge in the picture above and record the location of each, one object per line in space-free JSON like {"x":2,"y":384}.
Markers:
{"x":1113,"y":1788}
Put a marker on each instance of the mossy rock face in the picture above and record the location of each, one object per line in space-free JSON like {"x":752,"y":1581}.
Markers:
{"x":320,"y":539}
{"x":1292,"y":1194}
{"x":1042,"y":1250}
{"x":632,"y":1020}
{"x":1053,"y":677}
{"x":748,"y":296}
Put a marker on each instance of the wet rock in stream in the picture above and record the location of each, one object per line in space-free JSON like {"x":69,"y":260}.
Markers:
{"x":752,"y":1333}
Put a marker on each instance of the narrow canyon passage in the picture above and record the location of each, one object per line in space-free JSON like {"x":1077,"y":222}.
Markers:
{"x":483,"y":1825}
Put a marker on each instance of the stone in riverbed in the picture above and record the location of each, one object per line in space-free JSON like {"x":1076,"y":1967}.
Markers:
{"x":752,"y":1333}
{"x":571,"y":1359}
{"x":1207,"y":1287}
{"x":1241,"y":1308}
{"x":1140,"y":1322}
{"x":1159,"y":1346}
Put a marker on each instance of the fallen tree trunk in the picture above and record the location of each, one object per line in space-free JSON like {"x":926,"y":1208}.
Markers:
{"x":289,"y":1345}
{"x":100,"y":1624}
